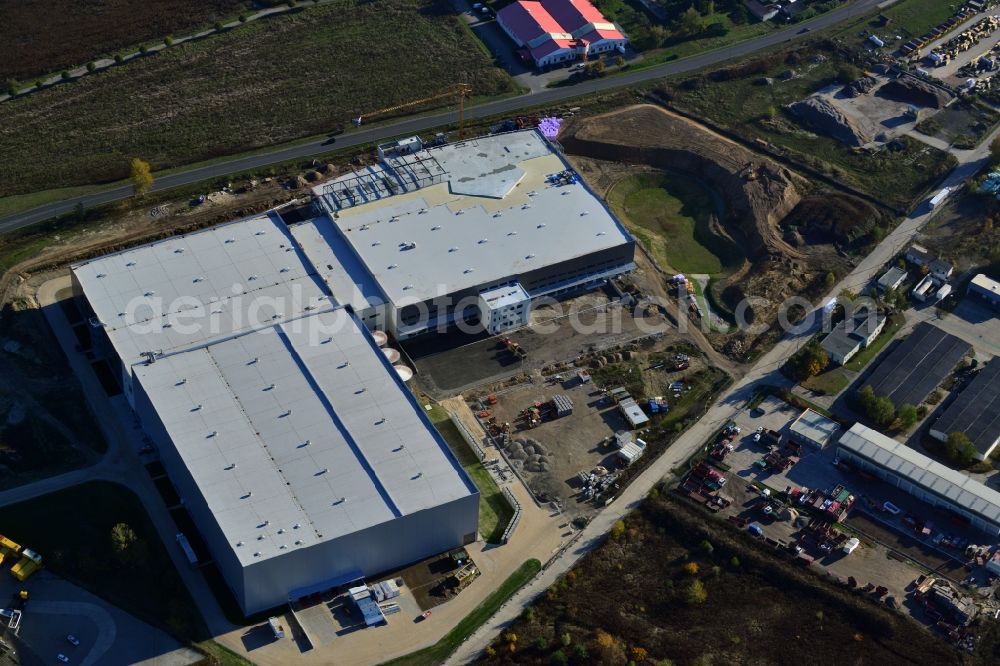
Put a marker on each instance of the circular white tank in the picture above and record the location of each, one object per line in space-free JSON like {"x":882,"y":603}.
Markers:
{"x":391,"y":354}
{"x":404,"y":372}
{"x":380,"y":338}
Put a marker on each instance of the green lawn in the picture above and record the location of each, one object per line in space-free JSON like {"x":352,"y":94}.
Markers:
{"x":830,"y":382}
{"x":71,"y":529}
{"x":672,"y":215}
{"x":438,"y":652}
{"x":494,"y":510}
{"x":863,"y":357}
{"x":263,"y":83}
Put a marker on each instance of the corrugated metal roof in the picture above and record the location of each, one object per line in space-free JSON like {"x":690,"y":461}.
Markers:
{"x":918,"y":365}
{"x":922,"y":471}
{"x":815,"y":427}
{"x":300,"y":433}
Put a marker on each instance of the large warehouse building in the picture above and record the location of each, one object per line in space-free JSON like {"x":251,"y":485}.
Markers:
{"x":413,"y":244}
{"x":302,"y":457}
{"x":975,"y":412}
{"x":922,"y":477}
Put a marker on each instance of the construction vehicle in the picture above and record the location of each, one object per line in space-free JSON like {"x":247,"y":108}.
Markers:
{"x":514,"y":348}
{"x":29,"y":563}
{"x":459,"y":90}
{"x":8,"y":548}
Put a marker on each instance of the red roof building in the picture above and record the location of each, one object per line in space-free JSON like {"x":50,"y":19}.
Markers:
{"x":554,"y":31}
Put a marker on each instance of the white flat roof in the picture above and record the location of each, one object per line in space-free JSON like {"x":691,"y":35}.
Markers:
{"x":500,"y":297}
{"x":987,"y":284}
{"x":300,"y":433}
{"x":815,"y":427}
{"x":922,"y":471}
{"x":464,"y":235}
{"x":335,"y":262}
{"x":188,"y":290}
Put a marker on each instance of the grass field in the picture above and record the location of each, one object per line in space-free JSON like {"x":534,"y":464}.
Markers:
{"x":741,"y":104}
{"x":267,"y":82}
{"x":438,"y":652}
{"x":494,"y":510}
{"x":910,"y":18}
{"x":671,"y":215}
{"x":72,"y":530}
{"x":678,"y":587}
{"x":830,"y":382}
{"x":864,"y":356}
{"x":44,"y":36}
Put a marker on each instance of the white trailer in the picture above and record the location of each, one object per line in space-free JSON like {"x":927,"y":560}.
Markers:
{"x":940,"y":197}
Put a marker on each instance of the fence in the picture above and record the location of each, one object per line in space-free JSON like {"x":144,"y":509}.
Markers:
{"x":515,"y":519}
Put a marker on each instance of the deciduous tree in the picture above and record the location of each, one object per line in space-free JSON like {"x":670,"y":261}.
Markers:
{"x":141,"y":175}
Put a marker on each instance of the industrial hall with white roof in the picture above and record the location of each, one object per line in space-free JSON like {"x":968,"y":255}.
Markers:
{"x":250,"y":351}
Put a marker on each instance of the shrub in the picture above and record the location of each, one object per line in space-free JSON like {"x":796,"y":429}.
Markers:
{"x":143,"y":49}
{"x":66,"y":76}
{"x":558,"y":658}
{"x":959,"y":448}
{"x":168,"y":41}
{"x":11,"y":87}
{"x":218,"y":26}
{"x":91,"y":66}
{"x":243,"y":18}
{"x":119,"y":58}
{"x":618,"y":529}
{"x":695,"y":593}
{"x":39,"y":83}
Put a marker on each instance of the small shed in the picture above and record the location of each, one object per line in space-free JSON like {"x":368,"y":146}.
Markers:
{"x":892,"y":278}
{"x":633,"y":413}
{"x":631,"y":452}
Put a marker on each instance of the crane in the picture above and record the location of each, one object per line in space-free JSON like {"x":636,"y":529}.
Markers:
{"x":459,"y":90}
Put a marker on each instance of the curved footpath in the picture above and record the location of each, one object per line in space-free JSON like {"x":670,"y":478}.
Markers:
{"x":765,"y":372}
{"x":415,"y":125}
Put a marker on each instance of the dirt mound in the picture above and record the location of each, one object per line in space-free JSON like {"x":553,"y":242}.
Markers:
{"x":862,"y":86}
{"x":833,"y":217}
{"x":819,"y":115}
{"x":914,"y":91}
{"x":758,"y":193}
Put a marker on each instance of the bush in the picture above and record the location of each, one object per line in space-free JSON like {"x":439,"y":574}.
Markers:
{"x":143,"y":49}
{"x":91,"y":66}
{"x":243,"y":18}
{"x":959,"y":449}
{"x":66,"y":76}
{"x":558,"y":658}
{"x":908,"y":415}
{"x":39,"y":83}
{"x":168,"y":41}
{"x":695,"y":593}
{"x":119,"y":59}
{"x":218,"y":26}
{"x":11,"y":87}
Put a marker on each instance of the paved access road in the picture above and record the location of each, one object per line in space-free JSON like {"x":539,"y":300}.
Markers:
{"x":416,"y":125}
{"x":764,"y":372}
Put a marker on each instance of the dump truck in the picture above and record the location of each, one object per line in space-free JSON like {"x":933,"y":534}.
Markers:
{"x":29,"y":563}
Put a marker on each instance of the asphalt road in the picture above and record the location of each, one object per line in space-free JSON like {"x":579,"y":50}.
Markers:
{"x":415,"y":125}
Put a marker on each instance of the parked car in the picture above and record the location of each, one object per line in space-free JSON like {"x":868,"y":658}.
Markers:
{"x":73,"y":640}
{"x":891,"y":508}
{"x":63,"y":658}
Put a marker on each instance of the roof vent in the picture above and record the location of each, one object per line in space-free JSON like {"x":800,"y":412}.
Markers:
{"x":298,"y":542}
{"x":149,"y":293}
{"x":199,"y":279}
{"x":296,"y":526}
{"x":584,"y":213}
{"x":212,"y":434}
{"x":260,"y":233}
{"x":239,"y":543}
{"x":281,"y":530}
{"x":100,"y":275}
{"x":196,"y":408}
{"x":391,"y":266}
{"x":460,"y":212}
{"x":340,"y":501}
{"x":435,"y":227}
{"x":602,"y":233}
{"x":247,"y":495}
{"x":525,"y":206}
{"x":179,"y":250}
{"x":453,"y":249}
{"x":343,"y":365}
{"x":541,"y":226}
{"x":529,"y":256}
{"x":269,"y":387}
{"x":416,"y":476}
{"x":230,"y":240}
{"x":399,"y":448}
{"x":288,"y":412}
{"x":360,"y":391}
{"x":327,"y":341}
{"x":321,"y":472}
{"x":408,"y":287}
{"x":230,"y":466}
{"x":376,"y":243}
{"x":284,"y":269}
{"x":484,"y":240}
{"x":565,"y":193}
{"x":282,"y":547}
{"x":468,"y":270}
{"x":252,"y":278}
{"x":253,"y":360}
{"x":182,"y":381}
{"x":257,"y":554}
{"x":130,"y":264}
{"x":304,"y":444}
